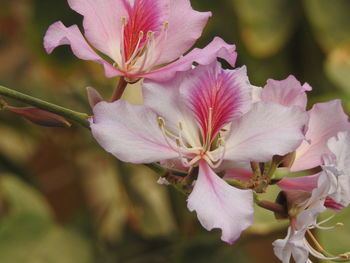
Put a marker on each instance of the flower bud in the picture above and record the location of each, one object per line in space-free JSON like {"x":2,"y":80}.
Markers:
{"x":40,"y":117}
{"x":292,"y":201}
{"x":93,"y":96}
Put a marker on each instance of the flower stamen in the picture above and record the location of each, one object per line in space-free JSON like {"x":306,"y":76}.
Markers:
{"x":136,"y":50}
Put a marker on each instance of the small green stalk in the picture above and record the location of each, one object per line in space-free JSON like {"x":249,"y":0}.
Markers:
{"x":78,"y":117}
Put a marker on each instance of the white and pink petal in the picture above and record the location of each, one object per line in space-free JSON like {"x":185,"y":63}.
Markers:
{"x":219,"y":205}
{"x":218,"y":48}
{"x":171,"y":106}
{"x":339,"y":145}
{"x":58,"y":34}
{"x":326,"y":120}
{"x":102,"y":24}
{"x":185,"y":26}
{"x":287,"y":92}
{"x":268,"y":129}
{"x":130,"y":133}
{"x":303,"y":183}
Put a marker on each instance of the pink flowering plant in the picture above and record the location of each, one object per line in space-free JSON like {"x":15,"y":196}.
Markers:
{"x":206,"y":130}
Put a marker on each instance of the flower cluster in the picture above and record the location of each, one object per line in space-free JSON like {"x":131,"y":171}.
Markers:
{"x":222,"y":140}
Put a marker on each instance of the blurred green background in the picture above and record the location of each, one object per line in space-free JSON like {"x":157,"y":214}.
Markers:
{"x":63,"y":199}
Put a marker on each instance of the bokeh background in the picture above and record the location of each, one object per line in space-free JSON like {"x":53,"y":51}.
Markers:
{"x":65,"y":200}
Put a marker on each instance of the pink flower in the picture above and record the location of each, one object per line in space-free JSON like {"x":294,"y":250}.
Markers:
{"x":325,"y":121}
{"x":139,"y":37}
{"x":337,"y":163}
{"x":295,"y":244}
{"x":201,"y":118}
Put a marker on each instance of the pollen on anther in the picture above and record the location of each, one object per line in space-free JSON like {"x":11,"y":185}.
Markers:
{"x":166,"y":25}
{"x":161,"y":122}
{"x":124,"y":20}
{"x":150,"y":35}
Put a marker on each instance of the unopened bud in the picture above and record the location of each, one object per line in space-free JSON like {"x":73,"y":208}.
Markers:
{"x":93,"y":96}
{"x":40,"y":117}
{"x":292,"y":201}
{"x":286,"y":160}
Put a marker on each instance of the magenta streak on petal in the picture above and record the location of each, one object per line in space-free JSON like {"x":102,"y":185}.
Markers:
{"x":144,"y":16}
{"x":331,"y":204}
{"x":215,"y":101}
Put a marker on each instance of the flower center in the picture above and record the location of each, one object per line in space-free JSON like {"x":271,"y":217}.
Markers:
{"x":190,"y":155}
{"x":141,"y":32}
{"x":138,"y":54}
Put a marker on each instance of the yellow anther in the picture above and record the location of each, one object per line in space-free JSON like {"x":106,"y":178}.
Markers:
{"x":141,"y":34}
{"x":161,"y":122}
{"x":124,"y":20}
{"x":345,"y":255}
{"x":339,"y":224}
{"x":221,"y":141}
{"x":180,"y":126}
{"x":166,"y":25}
{"x":150,"y":35}
{"x":178,"y":142}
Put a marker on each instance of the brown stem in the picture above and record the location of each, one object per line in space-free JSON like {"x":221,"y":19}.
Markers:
{"x":274,"y":207}
{"x":119,"y":90}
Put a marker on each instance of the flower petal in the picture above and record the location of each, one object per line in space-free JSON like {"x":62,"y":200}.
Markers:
{"x":268,"y":129}
{"x":292,"y":245}
{"x":340,"y":147}
{"x":243,"y":175}
{"x":304,"y":183}
{"x":216,"y":96}
{"x":130,"y":132}
{"x":185,"y":27}
{"x":218,"y":48}
{"x":287,"y":92}
{"x":145,"y":16}
{"x":58,"y":35}
{"x":326,"y":120}
{"x":102,"y":24}
{"x":218,"y":205}
{"x":171,"y":106}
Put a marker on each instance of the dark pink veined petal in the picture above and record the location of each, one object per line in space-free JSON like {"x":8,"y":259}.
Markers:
{"x":331,"y":204}
{"x":288,"y":92}
{"x":145,"y":16}
{"x":304,"y":183}
{"x":216,"y":96}
{"x":326,"y":120}
{"x":218,"y":48}
{"x":58,"y":35}
{"x":219,"y":205}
